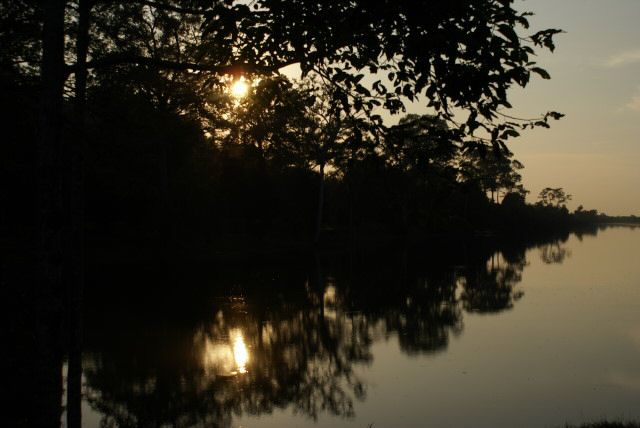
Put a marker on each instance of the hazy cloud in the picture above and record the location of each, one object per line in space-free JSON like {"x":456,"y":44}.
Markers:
{"x":624,"y":58}
{"x":634,"y":104}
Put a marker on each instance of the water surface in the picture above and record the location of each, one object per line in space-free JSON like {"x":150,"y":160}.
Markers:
{"x":460,"y":335}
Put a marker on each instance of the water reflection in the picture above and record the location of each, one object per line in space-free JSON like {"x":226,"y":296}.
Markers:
{"x":554,"y":253}
{"x":291,"y":337}
{"x":203,"y":345}
{"x":491,"y":288}
{"x":223,"y":357}
{"x":240,"y":352}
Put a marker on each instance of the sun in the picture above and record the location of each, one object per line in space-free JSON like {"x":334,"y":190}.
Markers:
{"x":240,"y":88}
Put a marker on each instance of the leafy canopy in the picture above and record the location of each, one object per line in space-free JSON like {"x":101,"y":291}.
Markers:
{"x":458,"y":55}
{"x":461,"y":55}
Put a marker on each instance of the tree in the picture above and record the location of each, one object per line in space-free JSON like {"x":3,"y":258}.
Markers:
{"x":299,"y":124}
{"x":553,"y":197}
{"x":460,"y":55}
{"x":465,"y":55}
{"x":421,"y":143}
{"x":495,"y":173}
{"x":267,"y":119}
{"x":421,"y":153}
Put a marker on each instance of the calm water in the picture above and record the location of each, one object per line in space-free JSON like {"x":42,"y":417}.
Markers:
{"x":458,"y":336}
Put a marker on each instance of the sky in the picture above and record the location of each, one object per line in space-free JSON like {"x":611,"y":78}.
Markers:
{"x":593,"y":153}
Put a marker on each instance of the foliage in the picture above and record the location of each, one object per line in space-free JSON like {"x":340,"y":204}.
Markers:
{"x":553,"y":197}
{"x":458,"y":56}
{"x":493,"y":172}
{"x":463,"y":55}
{"x":158,"y":72}
{"x":21,"y":28}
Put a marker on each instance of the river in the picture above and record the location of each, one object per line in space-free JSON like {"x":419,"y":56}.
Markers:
{"x":478,"y":334}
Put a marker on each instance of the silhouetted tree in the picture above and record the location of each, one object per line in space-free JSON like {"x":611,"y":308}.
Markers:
{"x":494,"y":172}
{"x":234,"y":38}
{"x":553,"y":197}
{"x":422,"y":151}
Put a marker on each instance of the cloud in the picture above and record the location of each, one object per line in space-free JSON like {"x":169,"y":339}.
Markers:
{"x":634,"y":103}
{"x":623,"y":58}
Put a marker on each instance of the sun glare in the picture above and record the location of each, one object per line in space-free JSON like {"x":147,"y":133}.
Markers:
{"x":240,"y":88}
{"x":240,"y":352}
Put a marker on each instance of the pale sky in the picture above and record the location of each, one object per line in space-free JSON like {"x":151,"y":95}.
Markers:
{"x":594,"y":151}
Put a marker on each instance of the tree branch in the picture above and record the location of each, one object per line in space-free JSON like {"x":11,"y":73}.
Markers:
{"x":158,"y":5}
{"x":129,"y":59}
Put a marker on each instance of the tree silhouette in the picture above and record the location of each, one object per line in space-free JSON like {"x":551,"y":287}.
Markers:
{"x":553,"y":253}
{"x":421,"y":151}
{"x":339,"y":42}
{"x":493,"y":172}
{"x":553,"y":197}
{"x":175,"y":56}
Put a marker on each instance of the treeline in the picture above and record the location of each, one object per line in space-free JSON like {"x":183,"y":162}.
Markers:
{"x":152,"y":147}
{"x":280,"y":165}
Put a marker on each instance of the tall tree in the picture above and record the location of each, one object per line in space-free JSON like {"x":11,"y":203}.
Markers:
{"x":50,"y":206}
{"x":421,"y":151}
{"x":457,"y":55}
{"x":494,"y":172}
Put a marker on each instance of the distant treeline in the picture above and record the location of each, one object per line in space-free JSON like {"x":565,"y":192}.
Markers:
{"x":628,"y":219}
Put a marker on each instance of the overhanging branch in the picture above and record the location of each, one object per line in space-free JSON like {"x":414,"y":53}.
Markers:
{"x":160,"y":6}
{"x":128,"y":59}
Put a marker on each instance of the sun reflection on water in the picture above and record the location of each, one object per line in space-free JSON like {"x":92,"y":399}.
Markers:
{"x":226,"y":357}
{"x":240,"y":351}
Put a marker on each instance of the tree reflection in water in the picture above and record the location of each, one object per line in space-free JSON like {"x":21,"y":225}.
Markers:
{"x":554,"y":253}
{"x":491,"y":288}
{"x":287,"y":338}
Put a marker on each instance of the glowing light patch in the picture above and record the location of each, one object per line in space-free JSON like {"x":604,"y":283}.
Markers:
{"x":240,"y":351}
{"x":240,"y":88}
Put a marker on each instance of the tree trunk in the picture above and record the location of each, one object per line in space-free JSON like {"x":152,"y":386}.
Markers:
{"x":82,"y":51}
{"x":351,"y":195}
{"x":49,"y":217}
{"x":49,"y":143}
{"x":404,"y":211}
{"x":75,"y":259}
{"x":164,"y":227}
{"x":320,"y":205}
